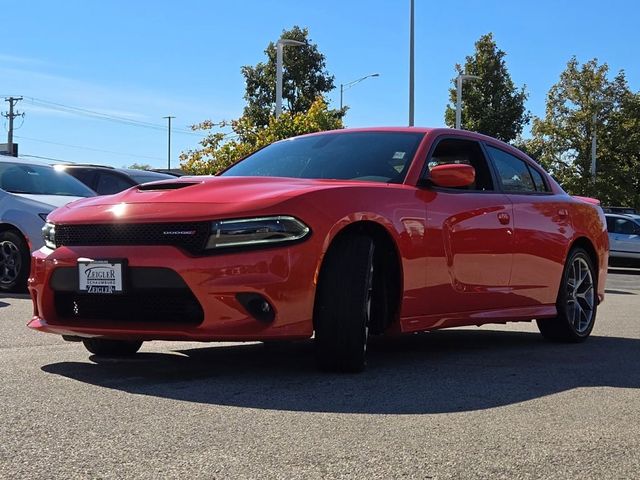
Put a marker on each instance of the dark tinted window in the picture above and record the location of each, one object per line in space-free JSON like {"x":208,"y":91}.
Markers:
{"x":109,"y":183}
{"x":371,"y":156}
{"x":611,"y":224}
{"x":513,"y":172}
{"x":40,"y":180}
{"x":625,"y":227}
{"x":538,"y":181}
{"x":144,"y":176}
{"x":86,"y":176}
{"x":466,"y":152}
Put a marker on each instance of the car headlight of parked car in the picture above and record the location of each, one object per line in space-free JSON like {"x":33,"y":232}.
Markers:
{"x":49,"y":235}
{"x":256,"y":231}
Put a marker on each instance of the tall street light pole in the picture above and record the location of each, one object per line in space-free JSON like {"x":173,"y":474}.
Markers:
{"x":411,"y":65}
{"x":279,"y":50}
{"x":459,"y":81}
{"x":348,"y":85}
{"x":169,"y":142}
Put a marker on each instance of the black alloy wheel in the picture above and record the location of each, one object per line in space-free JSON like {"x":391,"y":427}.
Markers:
{"x":15,"y":262}
{"x":577,"y":302}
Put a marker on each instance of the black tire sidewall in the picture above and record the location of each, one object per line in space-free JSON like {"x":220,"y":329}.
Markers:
{"x":340,"y":316}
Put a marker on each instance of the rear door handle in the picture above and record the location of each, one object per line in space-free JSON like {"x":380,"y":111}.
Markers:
{"x":563,"y":212}
{"x":504,"y":218}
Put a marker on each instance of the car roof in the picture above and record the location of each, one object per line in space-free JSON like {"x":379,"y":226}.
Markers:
{"x":126,"y":171}
{"x":435,"y":132}
{"x":22,"y":161}
{"x":628,"y":216}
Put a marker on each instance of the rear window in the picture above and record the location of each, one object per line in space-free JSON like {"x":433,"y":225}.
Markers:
{"x":40,"y":180}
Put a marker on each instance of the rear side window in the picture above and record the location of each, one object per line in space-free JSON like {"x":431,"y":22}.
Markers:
{"x":515,"y":175}
{"x":624,"y":227}
{"x":109,"y":183}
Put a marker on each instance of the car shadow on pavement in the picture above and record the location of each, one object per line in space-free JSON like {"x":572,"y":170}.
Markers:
{"x":443,"y":371}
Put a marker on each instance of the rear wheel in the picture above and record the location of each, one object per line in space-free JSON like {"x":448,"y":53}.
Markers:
{"x":14,"y":262}
{"x":576,"y":303}
{"x":112,"y":348}
{"x":343,"y":304}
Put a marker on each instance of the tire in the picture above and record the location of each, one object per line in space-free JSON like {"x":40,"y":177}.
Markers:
{"x":15,"y":262}
{"x":577,"y":303}
{"x":343,"y":304}
{"x":112,"y":348}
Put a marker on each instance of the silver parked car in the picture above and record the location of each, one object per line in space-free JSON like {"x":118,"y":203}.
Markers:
{"x":624,"y":236}
{"x":28,"y":192}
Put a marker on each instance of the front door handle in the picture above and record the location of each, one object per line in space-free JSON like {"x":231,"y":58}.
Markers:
{"x":504,"y":218}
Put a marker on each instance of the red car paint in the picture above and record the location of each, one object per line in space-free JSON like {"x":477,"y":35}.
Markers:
{"x":466,"y":258}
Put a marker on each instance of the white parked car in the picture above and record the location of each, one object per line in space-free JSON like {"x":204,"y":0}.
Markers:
{"x":624,"y":236}
{"x":28,"y":192}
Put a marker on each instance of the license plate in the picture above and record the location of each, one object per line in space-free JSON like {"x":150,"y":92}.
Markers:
{"x":103,"y":277}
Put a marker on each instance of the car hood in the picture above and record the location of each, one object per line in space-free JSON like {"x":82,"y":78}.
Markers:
{"x":197,"y":198}
{"x":51,"y":201}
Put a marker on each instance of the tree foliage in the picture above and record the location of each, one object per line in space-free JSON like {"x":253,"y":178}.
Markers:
{"x":140,"y":166}
{"x":491,"y":105}
{"x":305,"y":110}
{"x":304,"y":79}
{"x":219,"y":150}
{"x":584,"y":100}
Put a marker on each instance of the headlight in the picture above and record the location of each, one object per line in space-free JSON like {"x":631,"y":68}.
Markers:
{"x":49,"y":235}
{"x":256,"y":231}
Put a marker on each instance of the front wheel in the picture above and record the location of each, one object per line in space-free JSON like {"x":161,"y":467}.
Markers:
{"x":343,"y":304}
{"x":112,"y":348}
{"x":576,"y":303}
{"x":14,"y":262}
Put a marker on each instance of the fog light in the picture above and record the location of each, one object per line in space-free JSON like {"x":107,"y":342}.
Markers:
{"x":257,"y":306}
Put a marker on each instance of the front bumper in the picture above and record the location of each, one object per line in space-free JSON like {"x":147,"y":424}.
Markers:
{"x":282,"y":276}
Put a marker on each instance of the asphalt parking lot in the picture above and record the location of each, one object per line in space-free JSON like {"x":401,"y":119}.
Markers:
{"x":490,"y":402}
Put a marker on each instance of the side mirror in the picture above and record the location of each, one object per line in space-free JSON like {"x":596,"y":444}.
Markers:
{"x":452,"y":175}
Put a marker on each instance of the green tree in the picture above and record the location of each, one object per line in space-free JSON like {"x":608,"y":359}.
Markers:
{"x":304,"y":79}
{"x":219,"y":150}
{"x":140,"y":166}
{"x":491,"y":105}
{"x":585,"y":99}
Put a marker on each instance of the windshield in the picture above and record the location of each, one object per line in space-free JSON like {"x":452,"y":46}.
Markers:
{"x":370,"y":156}
{"x":40,"y":180}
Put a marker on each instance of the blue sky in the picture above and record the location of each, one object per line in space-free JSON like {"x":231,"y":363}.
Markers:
{"x":147,"y":59}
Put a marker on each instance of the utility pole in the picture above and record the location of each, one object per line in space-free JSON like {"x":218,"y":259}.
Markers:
{"x":169,"y":117}
{"x":411,"y":65}
{"x":10,"y":115}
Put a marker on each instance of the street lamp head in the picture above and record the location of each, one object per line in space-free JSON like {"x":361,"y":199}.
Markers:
{"x":469,"y":77}
{"x":289,"y":42}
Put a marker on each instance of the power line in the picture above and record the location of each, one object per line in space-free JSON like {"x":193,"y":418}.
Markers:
{"x":109,"y":117}
{"x":90,"y":148}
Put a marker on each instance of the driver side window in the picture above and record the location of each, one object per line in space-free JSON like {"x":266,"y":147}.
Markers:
{"x":469,"y":152}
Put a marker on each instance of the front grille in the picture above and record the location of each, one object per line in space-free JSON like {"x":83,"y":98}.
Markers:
{"x":191,"y":236}
{"x":145,"y":306}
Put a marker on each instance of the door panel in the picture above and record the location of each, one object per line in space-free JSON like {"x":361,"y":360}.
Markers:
{"x":469,"y":252}
{"x":543,"y":232}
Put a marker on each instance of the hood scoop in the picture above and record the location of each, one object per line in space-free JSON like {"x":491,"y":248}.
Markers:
{"x":154,"y":187}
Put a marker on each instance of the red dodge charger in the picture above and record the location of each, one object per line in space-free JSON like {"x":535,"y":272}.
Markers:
{"x":337,"y":235}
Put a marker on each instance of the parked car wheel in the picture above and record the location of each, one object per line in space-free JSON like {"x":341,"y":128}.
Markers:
{"x":14,"y":262}
{"x":577,"y":301}
{"x":343,"y":305}
{"x":112,"y":348}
